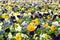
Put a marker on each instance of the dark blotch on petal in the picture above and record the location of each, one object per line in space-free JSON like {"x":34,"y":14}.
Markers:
{"x":13,"y":33}
{"x":59,"y":36}
{"x":38,"y":26}
{"x":7,"y":30}
{"x":14,"y":21}
{"x":2,"y":19}
{"x":59,"y":16}
{"x":31,"y":33}
{"x":54,"y":17}
{"x":32,"y":12}
{"x":12,"y":17}
{"x":53,"y":36}
{"x":5,"y":38}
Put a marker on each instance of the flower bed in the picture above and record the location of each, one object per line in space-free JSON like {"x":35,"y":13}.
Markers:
{"x":29,"y":22}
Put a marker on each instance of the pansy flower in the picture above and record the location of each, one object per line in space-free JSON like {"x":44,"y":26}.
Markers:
{"x":1,"y":31}
{"x":52,"y":27}
{"x":18,"y":36}
{"x":46,"y":25}
{"x":5,"y":23}
{"x":7,"y":30}
{"x":50,"y":22}
{"x":55,"y":23}
{"x":19,"y":28}
{"x":31,"y":27}
{"x":3,"y":15}
{"x":10,"y":35}
{"x":2,"y":19}
{"x":0,"y":13}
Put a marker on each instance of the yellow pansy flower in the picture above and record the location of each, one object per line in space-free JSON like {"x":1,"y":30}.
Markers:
{"x":48,"y":18}
{"x":46,"y":25}
{"x":31,"y":9}
{"x":10,"y":8}
{"x":15,"y":14}
{"x":9,"y":3}
{"x":6,"y":7}
{"x":19,"y":20}
{"x":33,"y":22}
{"x":52,"y":27}
{"x":18,"y":36}
{"x":36,"y":21}
{"x":53,"y":6}
{"x":44,"y":17}
{"x":23,"y":8}
{"x":3,"y":15}
{"x":46,"y":36}
{"x":31,"y":27}
{"x":15,"y":25}
{"x":58,"y":10}
{"x":42,"y":10}
{"x":6,"y":16}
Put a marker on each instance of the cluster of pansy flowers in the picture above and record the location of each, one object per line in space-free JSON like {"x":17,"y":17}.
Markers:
{"x":29,"y":22}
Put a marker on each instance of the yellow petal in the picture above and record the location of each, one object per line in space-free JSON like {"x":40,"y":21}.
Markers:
{"x":52,"y":27}
{"x":31,"y":27}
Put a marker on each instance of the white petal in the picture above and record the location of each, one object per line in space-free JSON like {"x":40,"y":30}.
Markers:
{"x":10,"y":35}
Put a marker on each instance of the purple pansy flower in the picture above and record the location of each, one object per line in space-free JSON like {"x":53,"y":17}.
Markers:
{"x":41,"y":20}
{"x":50,"y":22}
{"x":5,"y":23}
{"x":26,"y":17}
{"x":42,"y":26}
{"x":25,"y":25}
{"x":1,"y":31}
{"x":0,"y":13}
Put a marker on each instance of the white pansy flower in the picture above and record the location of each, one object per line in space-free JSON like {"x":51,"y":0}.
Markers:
{"x":6,"y":19}
{"x":49,"y":10}
{"x":9,"y":35}
{"x":18,"y":28}
{"x":43,"y":23}
{"x":29,"y":14}
{"x":42,"y":13}
{"x":42,"y":35}
{"x":24,"y":35}
{"x":55,"y":13}
{"x":11,"y":13}
{"x":58,"y":28}
{"x":34,"y":36}
{"x":16,"y":17}
{"x":23,"y":23}
{"x":55,"y":23}
{"x":1,"y":23}
{"x":0,"y":27}
{"x":25,"y":14}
